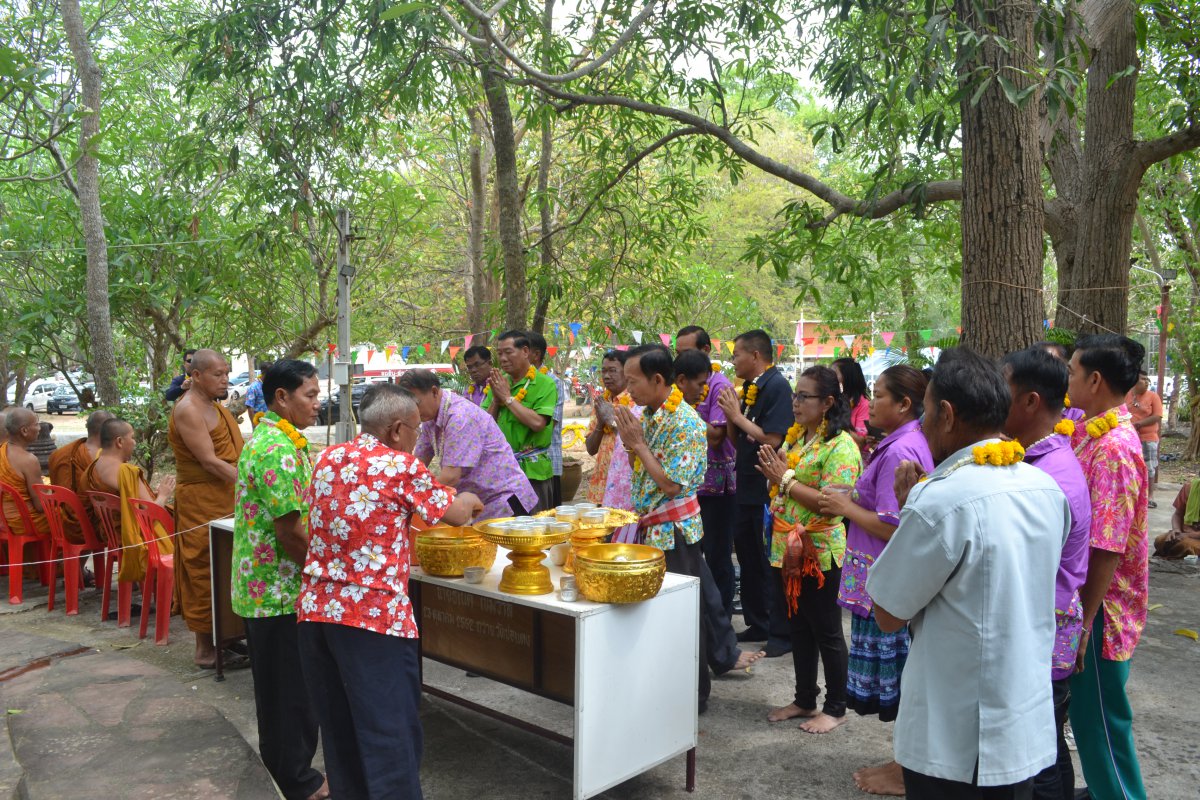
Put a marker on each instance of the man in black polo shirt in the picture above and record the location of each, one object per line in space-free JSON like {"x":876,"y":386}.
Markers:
{"x":761,"y":416}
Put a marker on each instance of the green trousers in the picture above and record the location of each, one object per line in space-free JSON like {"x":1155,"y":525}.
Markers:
{"x":1102,"y":721}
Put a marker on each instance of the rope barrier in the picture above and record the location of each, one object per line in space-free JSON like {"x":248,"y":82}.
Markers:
{"x":117,"y":549}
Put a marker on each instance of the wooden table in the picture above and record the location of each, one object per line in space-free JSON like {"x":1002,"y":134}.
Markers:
{"x":607,"y":661}
{"x":227,"y":626}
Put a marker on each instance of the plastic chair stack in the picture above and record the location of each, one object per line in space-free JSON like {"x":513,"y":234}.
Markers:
{"x":57,"y":500}
{"x":108,"y":512}
{"x":160,"y":567}
{"x":10,"y":498}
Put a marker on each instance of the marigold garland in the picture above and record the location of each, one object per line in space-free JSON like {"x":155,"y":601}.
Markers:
{"x":703,"y":394}
{"x":1101,"y":425}
{"x":1065,"y":427}
{"x":620,"y":400}
{"x":793,"y":435}
{"x":1067,"y":400}
{"x":289,"y":430}
{"x":998,"y":454}
{"x":257,"y":418}
{"x":530,"y":375}
{"x":544,"y":370}
{"x":750,"y":394}
{"x":670,"y":406}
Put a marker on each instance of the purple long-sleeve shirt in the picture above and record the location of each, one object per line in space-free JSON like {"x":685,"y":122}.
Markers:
{"x":876,"y":485}
{"x":719,"y":479}
{"x":1055,"y":457}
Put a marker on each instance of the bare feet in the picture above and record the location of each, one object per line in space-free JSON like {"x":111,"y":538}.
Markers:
{"x":322,"y":793}
{"x":887,"y":780}
{"x":746,"y":659}
{"x":790,"y":711}
{"x":821,"y":723}
{"x":206,"y":654}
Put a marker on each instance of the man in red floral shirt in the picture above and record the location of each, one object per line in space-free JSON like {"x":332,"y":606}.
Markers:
{"x":357,"y":630}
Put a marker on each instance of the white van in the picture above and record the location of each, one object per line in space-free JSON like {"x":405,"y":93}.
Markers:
{"x":37,"y":393}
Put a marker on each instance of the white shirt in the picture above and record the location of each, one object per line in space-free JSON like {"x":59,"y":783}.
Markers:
{"x":972,"y":566}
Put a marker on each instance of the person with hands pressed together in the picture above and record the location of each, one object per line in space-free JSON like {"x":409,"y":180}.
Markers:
{"x":971,"y":569}
{"x":668,"y":450}
{"x":523,"y":403}
{"x":357,"y":630}
{"x":761,"y":416}
{"x":270,"y":543}
{"x":478,"y":361}
{"x":602,"y":439}
{"x":807,"y":547}
{"x":872,"y":512}
{"x":1102,"y":371}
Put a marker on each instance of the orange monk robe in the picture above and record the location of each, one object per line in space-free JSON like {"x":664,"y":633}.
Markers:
{"x":17,"y":481}
{"x":200,"y":498}
{"x":133,"y":556}
{"x":67,"y":465}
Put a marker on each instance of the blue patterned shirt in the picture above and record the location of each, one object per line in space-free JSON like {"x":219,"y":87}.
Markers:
{"x":679,"y":442}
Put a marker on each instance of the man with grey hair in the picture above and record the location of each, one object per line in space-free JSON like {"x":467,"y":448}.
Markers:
{"x":357,"y":630}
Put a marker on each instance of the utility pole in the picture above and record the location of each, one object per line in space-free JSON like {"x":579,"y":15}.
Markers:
{"x":346,"y":427}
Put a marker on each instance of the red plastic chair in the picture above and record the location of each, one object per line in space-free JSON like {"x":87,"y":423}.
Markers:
{"x":108,"y":511}
{"x":56,"y":500}
{"x":10,"y":498}
{"x":160,"y":567}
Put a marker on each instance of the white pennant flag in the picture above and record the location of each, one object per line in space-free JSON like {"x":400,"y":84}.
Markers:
{"x":587,"y":351}
{"x":445,"y":344}
{"x":849,"y":340}
{"x":637,"y":336}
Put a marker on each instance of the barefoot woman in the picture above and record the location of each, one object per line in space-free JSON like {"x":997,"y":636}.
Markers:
{"x":877,"y":658}
{"x":807,"y":547}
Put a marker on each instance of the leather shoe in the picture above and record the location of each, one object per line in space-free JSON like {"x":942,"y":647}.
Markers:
{"x":773,"y":650}
{"x":751,"y":635}
{"x":1083,"y":794}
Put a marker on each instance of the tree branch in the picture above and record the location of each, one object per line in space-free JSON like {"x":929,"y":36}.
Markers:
{"x":1147,"y":154}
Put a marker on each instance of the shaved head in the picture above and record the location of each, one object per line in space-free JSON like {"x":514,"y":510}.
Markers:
{"x":95,"y":421}
{"x":205,"y":359}
{"x":17,"y":418}
{"x":112,"y":429}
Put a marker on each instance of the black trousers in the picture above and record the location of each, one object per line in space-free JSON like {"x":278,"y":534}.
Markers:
{"x":287,"y":722}
{"x":1057,"y":781}
{"x":925,"y":787}
{"x":366,"y":688}
{"x":556,"y":498}
{"x":720,"y":641}
{"x":752,"y":558}
{"x":718,"y":513}
{"x":545,"y":494}
{"x":686,"y":559}
{"x":816,"y":630}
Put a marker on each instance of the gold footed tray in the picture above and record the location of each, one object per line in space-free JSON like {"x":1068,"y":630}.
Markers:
{"x":620,"y":573}
{"x":446,"y":551}
{"x":526,"y":575}
{"x":588,"y":534}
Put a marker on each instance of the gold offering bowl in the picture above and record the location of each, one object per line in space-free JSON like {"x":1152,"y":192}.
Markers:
{"x":526,"y":574}
{"x":446,"y":551}
{"x":588,"y":534}
{"x":619,"y":573}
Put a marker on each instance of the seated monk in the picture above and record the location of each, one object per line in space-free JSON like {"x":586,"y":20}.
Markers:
{"x":67,"y":465}
{"x":1184,"y":536}
{"x":112,"y":472}
{"x":19,"y":469}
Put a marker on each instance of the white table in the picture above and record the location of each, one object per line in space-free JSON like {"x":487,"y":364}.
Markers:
{"x":628,"y":719}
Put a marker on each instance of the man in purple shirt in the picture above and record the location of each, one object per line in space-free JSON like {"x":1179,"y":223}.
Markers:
{"x":1038,"y":383}
{"x":718,"y":506}
{"x":472,"y":452}
{"x":478,"y":361}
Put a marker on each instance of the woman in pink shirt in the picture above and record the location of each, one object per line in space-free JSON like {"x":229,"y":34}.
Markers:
{"x":854,"y":387}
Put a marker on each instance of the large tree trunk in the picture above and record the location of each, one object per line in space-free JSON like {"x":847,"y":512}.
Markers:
{"x":546,"y":249}
{"x":87,"y":178}
{"x":908,"y":299}
{"x":508,"y":194}
{"x":1002,"y":214}
{"x":1093,"y":293}
{"x":477,"y":289}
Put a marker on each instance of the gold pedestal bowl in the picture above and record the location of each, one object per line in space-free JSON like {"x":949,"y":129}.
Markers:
{"x":619,"y":573}
{"x":446,"y":551}
{"x":590,"y":533}
{"x":526,"y":574}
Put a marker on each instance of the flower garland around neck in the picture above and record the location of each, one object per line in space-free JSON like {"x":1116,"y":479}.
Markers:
{"x":998,"y":454}
{"x":1065,"y":427}
{"x":286,"y":428}
{"x":544,"y":370}
{"x":1067,"y":400}
{"x":703,"y":395}
{"x":530,"y":375}
{"x":1103,"y":424}
{"x":793,"y":435}
{"x":671,"y":405}
{"x":750,"y":393}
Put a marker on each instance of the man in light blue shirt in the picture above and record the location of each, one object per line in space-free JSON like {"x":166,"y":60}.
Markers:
{"x":972,"y":569}
{"x":537,"y":355}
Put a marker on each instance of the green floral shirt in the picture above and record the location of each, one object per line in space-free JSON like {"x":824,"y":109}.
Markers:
{"x":820,"y":464}
{"x":272,"y":479}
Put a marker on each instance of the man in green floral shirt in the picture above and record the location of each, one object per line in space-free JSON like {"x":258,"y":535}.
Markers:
{"x":270,"y":542}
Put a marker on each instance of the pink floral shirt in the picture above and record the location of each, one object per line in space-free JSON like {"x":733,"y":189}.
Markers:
{"x":1116,"y":477}
{"x":362,"y":498}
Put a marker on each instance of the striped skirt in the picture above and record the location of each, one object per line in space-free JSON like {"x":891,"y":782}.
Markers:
{"x":876,"y":661}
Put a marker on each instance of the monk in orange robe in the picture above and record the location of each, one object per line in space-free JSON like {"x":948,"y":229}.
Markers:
{"x":207,"y":443}
{"x":67,"y":465}
{"x":19,"y":469}
{"x":113,"y":472}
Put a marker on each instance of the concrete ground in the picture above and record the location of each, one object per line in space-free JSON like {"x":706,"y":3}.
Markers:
{"x":741,"y":755}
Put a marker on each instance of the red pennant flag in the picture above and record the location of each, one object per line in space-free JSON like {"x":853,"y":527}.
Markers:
{"x":427,"y":347}
{"x":454,"y":351}
{"x":552,"y":351}
{"x":332,"y":348}
{"x":779,"y":350}
{"x":808,"y":340}
{"x":370,"y":353}
{"x":570,"y":337}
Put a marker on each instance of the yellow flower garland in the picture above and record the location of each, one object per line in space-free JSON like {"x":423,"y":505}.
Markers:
{"x":703,"y":394}
{"x":750,"y":394}
{"x":1101,"y":425}
{"x":1065,"y":427}
{"x":792,"y":436}
{"x":288,"y":430}
{"x":1067,"y":400}
{"x":257,"y":418}
{"x":670,"y":406}
{"x":998,"y":454}
{"x":544,"y":370}
{"x":621,"y":399}
{"x":530,"y":375}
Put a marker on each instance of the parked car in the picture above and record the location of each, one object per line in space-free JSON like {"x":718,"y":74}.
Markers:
{"x":238,"y":386}
{"x":63,"y":400}
{"x":331,"y":406}
{"x":38,"y":395}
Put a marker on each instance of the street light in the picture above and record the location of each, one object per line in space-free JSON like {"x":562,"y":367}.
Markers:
{"x":1164,"y":285}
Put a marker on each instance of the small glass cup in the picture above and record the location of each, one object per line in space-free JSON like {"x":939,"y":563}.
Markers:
{"x":593,"y":516}
{"x":585,"y":506}
{"x":567,"y":582}
{"x":568,"y":595}
{"x":536,"y":528}
{"x":566,"y":514}
{"x":474,"y":574}
{"x":524,"y":519}
{"x":559,"y":527}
